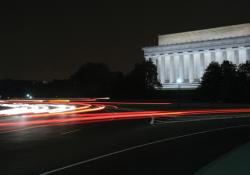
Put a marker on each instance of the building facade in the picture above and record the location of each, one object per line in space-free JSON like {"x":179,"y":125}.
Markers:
{"x":182,"y":58}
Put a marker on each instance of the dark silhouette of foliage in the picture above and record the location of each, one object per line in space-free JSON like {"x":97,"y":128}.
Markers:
{"x":145,"y":75}
{"x":244,"y":81}
{"x":226,"y":82}
{"x":211,"y":81}
{"x":142,"y":79}
{"x":229,"y":82}
{"x":92,"y":79}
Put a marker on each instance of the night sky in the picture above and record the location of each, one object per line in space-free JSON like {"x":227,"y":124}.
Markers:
{"x":42,"y":40}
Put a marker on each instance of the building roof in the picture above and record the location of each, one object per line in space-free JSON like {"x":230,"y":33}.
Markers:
{"x":206,"y":34}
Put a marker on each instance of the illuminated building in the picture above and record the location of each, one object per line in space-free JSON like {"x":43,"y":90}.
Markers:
{"x":182,"y":58}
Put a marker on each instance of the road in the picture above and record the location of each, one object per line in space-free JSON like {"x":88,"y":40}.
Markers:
{"x":172,"y":145}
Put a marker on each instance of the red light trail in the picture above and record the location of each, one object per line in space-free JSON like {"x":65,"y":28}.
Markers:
{"x":38,"y":113}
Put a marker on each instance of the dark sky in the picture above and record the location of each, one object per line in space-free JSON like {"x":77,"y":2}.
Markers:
{"x":45,"y":40}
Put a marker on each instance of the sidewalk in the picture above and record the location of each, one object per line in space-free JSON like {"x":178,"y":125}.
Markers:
{"x":236,"y":162}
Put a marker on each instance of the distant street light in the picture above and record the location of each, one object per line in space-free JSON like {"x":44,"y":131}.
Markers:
{"x":29,"y":96}
{"x":179,"y":81}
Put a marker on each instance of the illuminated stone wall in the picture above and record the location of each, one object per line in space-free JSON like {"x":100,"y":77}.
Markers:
{"x":182,"y":58}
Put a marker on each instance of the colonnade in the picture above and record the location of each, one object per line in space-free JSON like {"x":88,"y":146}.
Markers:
{"x":188,"y":67}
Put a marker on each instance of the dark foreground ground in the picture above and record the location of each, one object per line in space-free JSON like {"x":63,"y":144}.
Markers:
{"x":172,"y":146}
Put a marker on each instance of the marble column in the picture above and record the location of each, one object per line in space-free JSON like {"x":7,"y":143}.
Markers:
{"x":177,"y":66}
{"x":218,"y":56}
{"x":242,"y":55}
{"x":196,"y":65}
{"x":191,"y":68}
{"x":248,"y":53}
{"x":224,"y":55}
{"x":202,"y":64}
{"x":207,"y":57}
{"x":230,"y":55}
{"x":236,"y":56}
{"x":172,"y":69}
{"x":167,"y":68}
{"x":162,"y":64}
{"x":212,"y":52}
{"x":186,"y":60}
{"x":181,"y":67}
{"x":159,"y":68}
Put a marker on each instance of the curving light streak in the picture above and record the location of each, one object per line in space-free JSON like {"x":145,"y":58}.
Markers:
{"x":18,"y":109}
{"x":38,"y":113}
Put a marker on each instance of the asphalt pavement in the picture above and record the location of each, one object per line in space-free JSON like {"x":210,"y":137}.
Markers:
{"x":170,"y":146}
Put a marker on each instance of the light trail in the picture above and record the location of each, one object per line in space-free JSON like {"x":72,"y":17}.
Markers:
{"x":17,"y":109}
{"x":36,"y":113}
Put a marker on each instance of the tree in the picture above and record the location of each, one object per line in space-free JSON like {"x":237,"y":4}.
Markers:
{"x":244,"y":70}
{"x":211,"y":82}
{"x":142,"y":79}
{"x":144,"y":75}
{"x":244,"y":81}
{"x":220,"y":82}
{"x":229,"y":81}
{"x":92,"y":79}
{"x":151,"y":80}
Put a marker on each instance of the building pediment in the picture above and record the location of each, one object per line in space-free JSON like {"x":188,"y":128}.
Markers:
{"x":205,"y":34}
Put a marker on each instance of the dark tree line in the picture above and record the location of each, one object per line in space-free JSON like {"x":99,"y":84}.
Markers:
{"x":226,"y":82}
{"x":90,"y":80}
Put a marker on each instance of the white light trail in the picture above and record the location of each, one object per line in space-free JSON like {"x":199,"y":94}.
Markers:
{"x":18,"y":109}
